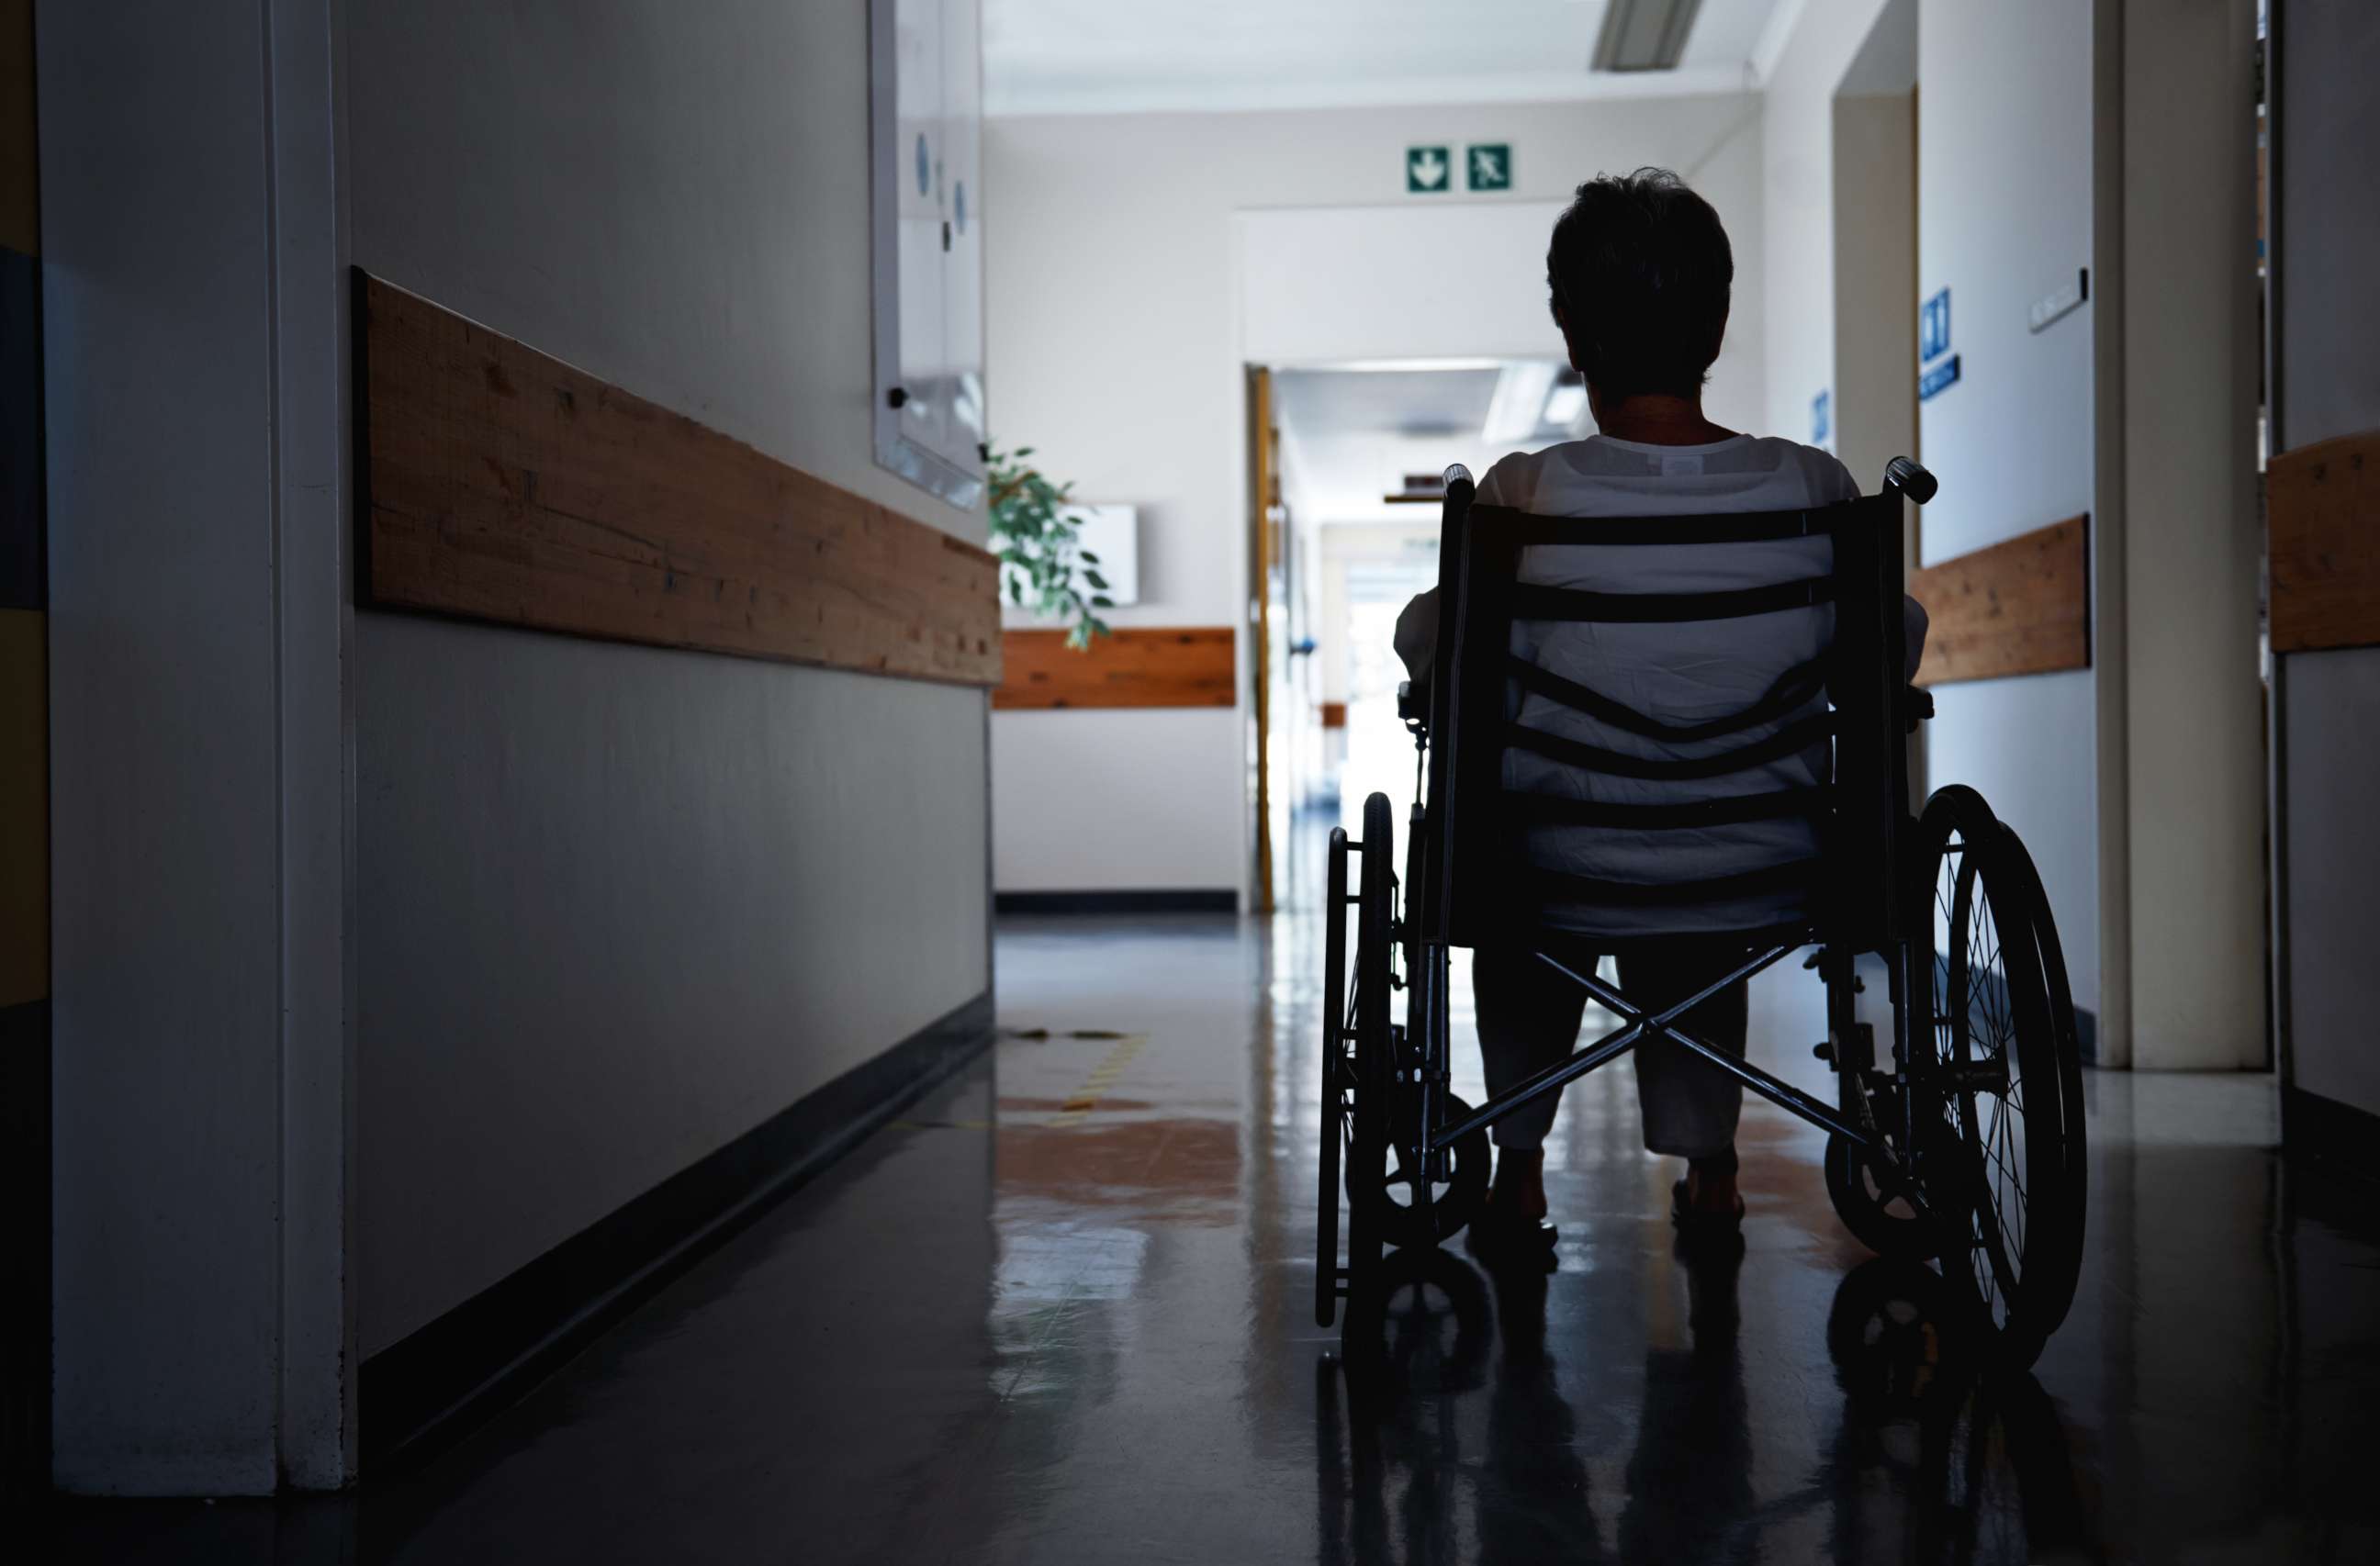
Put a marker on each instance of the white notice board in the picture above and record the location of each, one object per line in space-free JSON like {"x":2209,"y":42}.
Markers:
{"x":925,"y":120}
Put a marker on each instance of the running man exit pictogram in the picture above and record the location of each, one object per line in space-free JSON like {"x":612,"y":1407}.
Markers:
{"x":1491,"y":167}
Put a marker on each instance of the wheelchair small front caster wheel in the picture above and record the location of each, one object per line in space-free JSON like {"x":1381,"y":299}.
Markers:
{"x":1883,"y":1222}
{"x":1458,"y":1188}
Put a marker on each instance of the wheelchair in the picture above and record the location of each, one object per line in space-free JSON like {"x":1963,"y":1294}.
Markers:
{"x":1961,"y":1144}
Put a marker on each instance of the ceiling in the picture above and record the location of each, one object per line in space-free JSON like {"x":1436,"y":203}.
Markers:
{"x":1091,"y":56}
{"x":1417,"y":402}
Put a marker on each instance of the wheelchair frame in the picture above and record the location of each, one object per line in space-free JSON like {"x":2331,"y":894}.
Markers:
{"x":1919,"y":1151}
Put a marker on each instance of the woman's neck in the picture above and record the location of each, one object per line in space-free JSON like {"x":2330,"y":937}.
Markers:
{"x":1656,"y":418}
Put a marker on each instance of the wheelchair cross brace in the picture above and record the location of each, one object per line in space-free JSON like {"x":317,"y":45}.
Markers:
{"x":1637,"y":1023}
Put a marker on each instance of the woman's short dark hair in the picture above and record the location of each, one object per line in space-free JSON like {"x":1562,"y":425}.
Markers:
{"x":1640,"y":271}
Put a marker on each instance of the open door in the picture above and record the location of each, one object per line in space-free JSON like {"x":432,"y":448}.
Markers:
{"x":1263,"y":618}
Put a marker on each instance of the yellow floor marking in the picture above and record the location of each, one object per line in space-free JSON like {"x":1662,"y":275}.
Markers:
{"x":1086,"y":1097}
{"x":1082,"y":1101}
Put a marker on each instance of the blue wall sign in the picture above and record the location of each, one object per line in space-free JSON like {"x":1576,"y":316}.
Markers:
{"x":1821,"y":424}
{"x":1942,"y":375}
{"x":1934,"y":327}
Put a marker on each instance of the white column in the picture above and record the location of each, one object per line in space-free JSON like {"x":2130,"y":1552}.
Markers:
{"x":193,"y":315}
{"x":2193,"y":782}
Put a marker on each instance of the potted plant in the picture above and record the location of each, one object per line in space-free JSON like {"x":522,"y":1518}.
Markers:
{"x":1033,"y":534}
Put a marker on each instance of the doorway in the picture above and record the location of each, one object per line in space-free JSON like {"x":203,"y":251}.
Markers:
{"x":1349,"y":476}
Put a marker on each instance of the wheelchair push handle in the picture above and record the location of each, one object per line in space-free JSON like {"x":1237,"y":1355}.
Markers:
{"x":1906,"y":476}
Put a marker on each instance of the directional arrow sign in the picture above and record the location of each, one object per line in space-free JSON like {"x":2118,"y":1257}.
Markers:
{"x":1427,"y":169}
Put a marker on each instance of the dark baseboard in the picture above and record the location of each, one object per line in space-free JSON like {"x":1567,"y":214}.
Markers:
{"x":482,"y":1356}
{"x":24,"y":527}
{"x":1193,"y":900}
{"x":25,"y":1240}
{"x":2335,"y":1135}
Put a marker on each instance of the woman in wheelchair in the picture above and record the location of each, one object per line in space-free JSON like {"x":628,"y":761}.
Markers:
{"x":1667,"y":693}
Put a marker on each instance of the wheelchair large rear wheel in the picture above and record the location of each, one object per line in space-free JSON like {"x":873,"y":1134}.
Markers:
{"x":1336,"y":1080}
{"x":1371,"y":1068}
{"x":2003,"y":1090}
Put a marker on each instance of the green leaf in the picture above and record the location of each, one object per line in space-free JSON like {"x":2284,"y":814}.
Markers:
{"x":1036,"y":538}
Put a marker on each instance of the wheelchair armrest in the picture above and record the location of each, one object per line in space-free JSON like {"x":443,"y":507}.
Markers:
{"x":1920,"y":705}
{"x":1412,"y":705}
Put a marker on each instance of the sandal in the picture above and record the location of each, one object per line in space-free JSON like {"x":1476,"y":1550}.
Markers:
{"x":1496,"y":1239}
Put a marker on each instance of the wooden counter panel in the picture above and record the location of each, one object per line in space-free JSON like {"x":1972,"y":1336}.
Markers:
{"x":1142,"y":666}
{"x":2019,"y":607}
{"x":498,"y":483}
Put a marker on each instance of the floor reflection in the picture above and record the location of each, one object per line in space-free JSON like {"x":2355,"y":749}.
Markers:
{"x":1061,"y":1311}
{"x":1444,"y":1434}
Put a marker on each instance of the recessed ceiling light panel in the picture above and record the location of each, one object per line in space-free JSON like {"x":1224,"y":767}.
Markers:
{"x":1645,"y":35}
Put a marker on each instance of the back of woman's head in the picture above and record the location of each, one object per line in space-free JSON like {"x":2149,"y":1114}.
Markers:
{"x":1640,"y":271}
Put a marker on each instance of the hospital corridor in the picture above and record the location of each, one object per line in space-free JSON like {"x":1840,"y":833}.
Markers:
{"x":1332,"y":781}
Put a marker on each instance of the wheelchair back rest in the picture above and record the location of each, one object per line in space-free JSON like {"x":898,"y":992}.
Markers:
{"x":1665,"y":726}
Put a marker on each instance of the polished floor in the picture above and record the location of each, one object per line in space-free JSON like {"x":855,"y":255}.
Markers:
{"x":1061,"y":1311}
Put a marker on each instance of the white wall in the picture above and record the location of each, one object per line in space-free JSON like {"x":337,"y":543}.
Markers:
{"x":2004,"y":147}
{"x":616,"y":905}
{"x":1116,"y":333}
{"x":1875,"y":393}
{"x":2326,"y":251}
{"x":1131,"y":800}
{"x":196,"y":657}
{"x":2018,"y":118}
{"x":1797,"y":208}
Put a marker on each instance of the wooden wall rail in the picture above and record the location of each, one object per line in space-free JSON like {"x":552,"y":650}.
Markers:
{"x":1142,"y":666}
{"x":497,"y":483}
{"x":2321,"y":512}
{"x":2019,"y":607}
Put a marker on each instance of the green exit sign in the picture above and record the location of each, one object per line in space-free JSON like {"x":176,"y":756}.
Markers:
{"x":1428,"y":170}
{"x":1489,"y":165}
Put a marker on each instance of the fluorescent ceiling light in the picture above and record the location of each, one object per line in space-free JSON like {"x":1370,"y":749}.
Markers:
{"x":1519,"y":395}
{"x":1645,"y":35}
